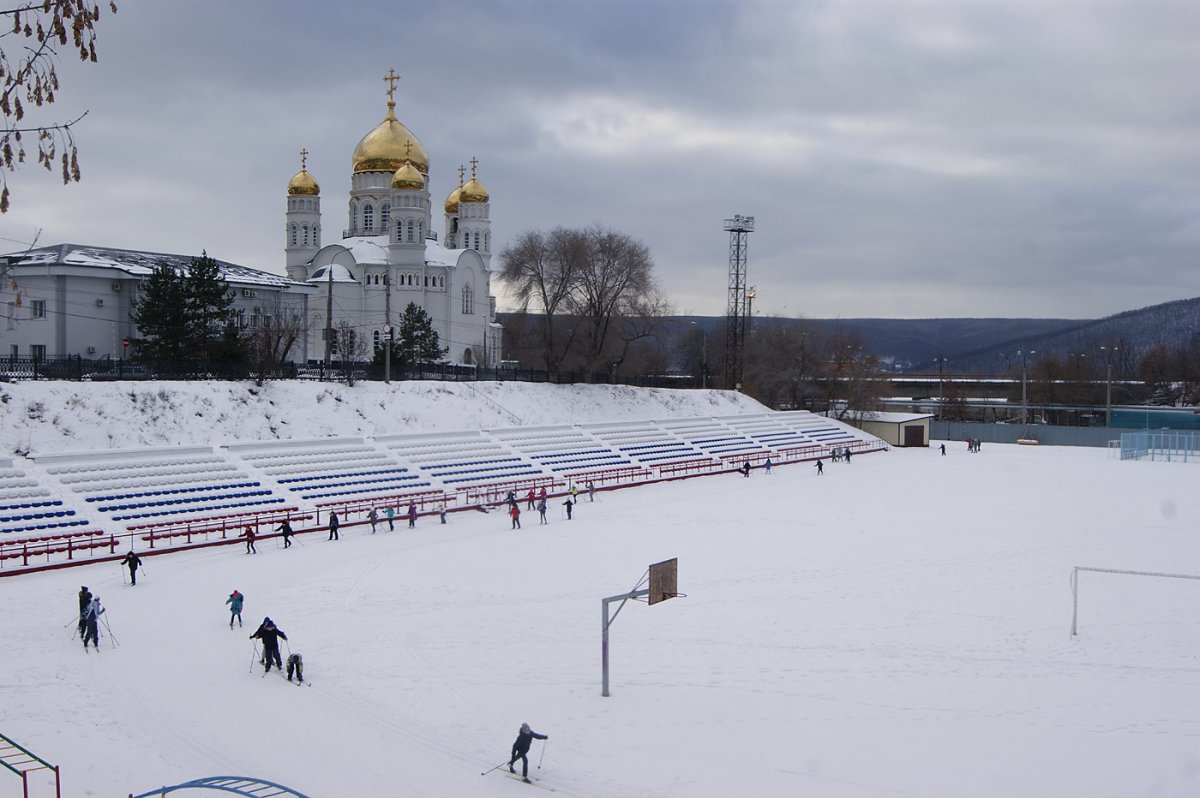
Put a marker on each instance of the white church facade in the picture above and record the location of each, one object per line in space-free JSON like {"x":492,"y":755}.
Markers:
{"x":389,"y":255}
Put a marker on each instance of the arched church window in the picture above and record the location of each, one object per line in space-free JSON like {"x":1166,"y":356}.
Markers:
{"x":368,"y":217}
{"x":420,"y":231}
{"x":304,"y":235}
{"x":468,"y":300}
{"x":487,"y":242}
{"x":441,"y":282}
{"x":476,"y":247}
{"x":410,"y":231}
{"x":294,"y":235}
{"x":316,"y":236}
{"x":385,"y":213}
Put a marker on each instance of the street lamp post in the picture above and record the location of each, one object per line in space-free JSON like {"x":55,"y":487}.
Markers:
{"x":941,"y":361}
{"x":1108,"y":358}
{"x":1025,"y":383}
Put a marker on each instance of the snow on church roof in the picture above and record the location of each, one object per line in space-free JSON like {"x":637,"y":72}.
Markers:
{"x":373,"y":249}
{"x":138,"y":263}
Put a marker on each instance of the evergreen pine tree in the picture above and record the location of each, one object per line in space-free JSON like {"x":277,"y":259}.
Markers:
{"x":209,"y":299}
{"x":417,"y":341}
{"x":160,"y":316}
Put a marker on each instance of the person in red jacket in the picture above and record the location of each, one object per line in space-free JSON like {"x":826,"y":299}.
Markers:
{"x":515,"y":513}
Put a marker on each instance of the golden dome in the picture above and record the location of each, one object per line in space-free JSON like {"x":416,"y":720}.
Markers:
{"x":452,"y":201}
{"x":384,"y":148}
{"x":303,"y":183}
{"x":473,"y":191}
{"x":407,"y":177}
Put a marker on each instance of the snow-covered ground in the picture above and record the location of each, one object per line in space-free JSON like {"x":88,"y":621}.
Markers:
{"x":896,"y":627}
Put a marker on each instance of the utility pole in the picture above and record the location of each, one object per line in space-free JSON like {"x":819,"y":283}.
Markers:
{"x":1024,"y":383}
{"x":328,"y":319}
{"x":387,"y":327}
{"x":1108,"y":359}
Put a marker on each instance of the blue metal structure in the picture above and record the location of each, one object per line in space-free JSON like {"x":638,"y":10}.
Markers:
{"x":1171,"y":445}
{"x":238,"y":785}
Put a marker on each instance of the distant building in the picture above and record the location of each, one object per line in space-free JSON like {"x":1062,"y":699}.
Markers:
{"x":898,"y":429}
{"x":73,"y":299}
{"x":389,"y":256}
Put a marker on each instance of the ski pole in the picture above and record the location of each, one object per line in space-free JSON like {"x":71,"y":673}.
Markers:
{"x":253,"y":655}
{"x":124,"y":581}
{"x":543,"y":756}
{"x":489,"y":770}
{"x":111,"y":637}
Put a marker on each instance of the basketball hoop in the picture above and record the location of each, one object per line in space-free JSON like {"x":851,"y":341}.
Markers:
{"x":663,"y":578}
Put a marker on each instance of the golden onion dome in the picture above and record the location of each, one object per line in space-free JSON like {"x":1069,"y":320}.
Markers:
{"x":386,"y":147}
{"x":452,"y":201}
{"x":473,"y":191}
{"x":408,"y":178}
{"x":303,"y":183}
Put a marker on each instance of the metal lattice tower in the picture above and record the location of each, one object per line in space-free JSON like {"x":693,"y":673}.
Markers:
{"x":739,"y":227}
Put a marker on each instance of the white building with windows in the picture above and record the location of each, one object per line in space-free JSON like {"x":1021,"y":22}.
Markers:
{"x":78,"y":300}
{"x":389,"y":255}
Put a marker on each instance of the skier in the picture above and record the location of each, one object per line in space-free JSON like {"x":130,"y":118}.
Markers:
{"x":373,"y":517}
{"x":542,"y":511}
{"x":820,"y":467}
{"x":511,"y":499}
{"x":333,"y":527}
{"x":846,"y":454}
{"x":295,"y":665}
{"x":235,"y":607}
{"x":529,"y":500}
{"x":569,"y":503}
{"x":591,"y":489}
{"x":515,"y":513}
{"x":943,"y":448}
{"x":575,"y":493}
{"x":412,"y":515}
{"x":520,"y":748}
{"x":746,"y":469}
{"x":85,"y":598}
{"x":269,"y":634}
{"x":91,"y":617}
{"x":542,"y":493}
{"x":767,"y":466}
{"x":442,"y":512}
{"x":249,"y":536}
{"x":133,"y":562}
{"x":286,"y":529}
{"x":390,"y":512}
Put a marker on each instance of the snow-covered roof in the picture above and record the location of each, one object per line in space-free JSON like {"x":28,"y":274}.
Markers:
{"x":892,"y":418}
{"x":138,"y":263}
{"x":373,"y":249}
{"x":340,"y":275}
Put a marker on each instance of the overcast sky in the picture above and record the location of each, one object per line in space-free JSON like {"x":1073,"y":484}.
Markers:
{"x":902,"y":159}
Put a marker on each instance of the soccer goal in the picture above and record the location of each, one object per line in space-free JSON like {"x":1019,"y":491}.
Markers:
{"x":1081,"y":569}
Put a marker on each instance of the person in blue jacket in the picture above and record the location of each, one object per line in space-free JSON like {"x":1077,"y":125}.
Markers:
{"x":235,"y":607}
{"x":520,"y":748}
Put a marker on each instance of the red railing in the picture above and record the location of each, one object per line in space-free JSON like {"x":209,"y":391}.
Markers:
{"x":494,"y":492}
{"x":611,"y":475}
{"x":347,"y":510}
{"x":65,"y":543}
{"x":203,"y":528}
{"x":695,"y":466}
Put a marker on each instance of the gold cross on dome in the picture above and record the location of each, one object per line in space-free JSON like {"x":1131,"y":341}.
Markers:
{"x":303,"y":159}
{"x":407,"y":148}
{"x":474,"y":163}
{"x":390,"y":79}
{"x":462,"y":171}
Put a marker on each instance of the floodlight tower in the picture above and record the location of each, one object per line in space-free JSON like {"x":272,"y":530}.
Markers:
{"x":739,"y":227}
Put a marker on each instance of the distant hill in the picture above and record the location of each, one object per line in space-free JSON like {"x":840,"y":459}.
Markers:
{"x":983,"y":345}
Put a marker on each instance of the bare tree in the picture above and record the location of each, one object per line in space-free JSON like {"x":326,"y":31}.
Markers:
{"x":41,"y":27}
{"x":783,"y":365}
{"x":541,"y":270}
{"x":615,"y":284}
{"x":274,"y":329}
{"x":351,"y":350}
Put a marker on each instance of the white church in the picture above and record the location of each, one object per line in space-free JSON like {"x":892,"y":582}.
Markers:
{"x":70,"y":300}
{"x":389,"y":254}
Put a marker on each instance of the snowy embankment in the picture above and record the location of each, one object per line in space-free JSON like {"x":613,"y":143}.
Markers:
{"x":44,"y":417}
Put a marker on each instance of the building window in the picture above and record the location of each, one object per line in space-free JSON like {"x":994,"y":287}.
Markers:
{"x":293,"y":235}
{"x":37,"y":351}
{"x":441,"y":282}
{"x":427,"y":281}
{"x":37,"y":308}
{"x":468,"y":303}
{"x":420,"y":231}
{"x":385,"y":213}
{"x":368,"y":217}
{"x":304,"y":235}
{"x":316,"y":238}
{"x":487,"y":242}
{"x":13,"y":350}
{"x":410,"y":231}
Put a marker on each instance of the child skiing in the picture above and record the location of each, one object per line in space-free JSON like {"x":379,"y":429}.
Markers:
{"x":515,"y":513}
{"x":85,"y":598}
{"x":295,"y":665}
{"x":269,"y":634}
{"x":820,"y":468}
{"x":390,"y":512}
{"x":250,"y":536}
{"x":286,"y":529}
{"x":333,"y":527}
{"x":133,"y":562}
{"x":412,"y":515}
{"x":542,"y":511}
{"x":520,"y":748}
{"x":91,"y":619}
{"x":235,"y":607}
{"x":569,"y":503}
{"x":373,"y":517}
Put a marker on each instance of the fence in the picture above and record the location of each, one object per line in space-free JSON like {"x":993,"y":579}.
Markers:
{"x":1048,"y":434}
{"x":1168,"y":445}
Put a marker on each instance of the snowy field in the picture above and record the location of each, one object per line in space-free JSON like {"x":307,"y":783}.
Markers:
{"x":897,"y":627}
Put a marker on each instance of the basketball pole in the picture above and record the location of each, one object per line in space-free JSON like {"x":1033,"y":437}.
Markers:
{"x":605,"y":623}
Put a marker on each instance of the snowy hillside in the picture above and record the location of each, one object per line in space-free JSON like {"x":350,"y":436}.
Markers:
{"x":47,"y":417}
